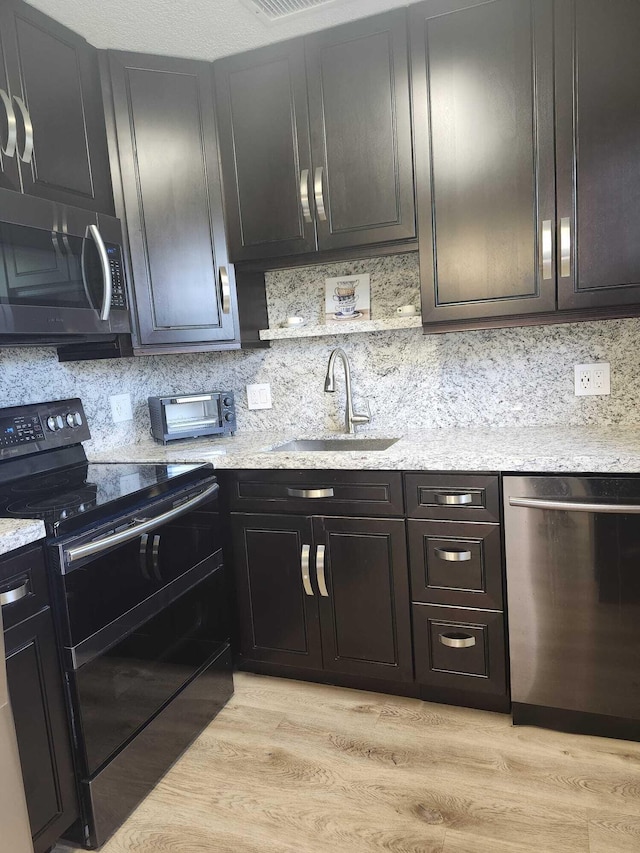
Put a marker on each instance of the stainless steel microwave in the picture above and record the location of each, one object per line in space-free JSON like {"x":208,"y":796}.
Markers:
{"x":61,"y":272}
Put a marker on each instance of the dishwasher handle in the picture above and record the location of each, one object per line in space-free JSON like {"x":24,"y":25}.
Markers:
{"x":574,"y":506}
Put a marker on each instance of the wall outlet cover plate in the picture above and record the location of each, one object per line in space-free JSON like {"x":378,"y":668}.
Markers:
{"x":259,"y":396}
{"x":592,"y":379}
{"x":121,"y":408}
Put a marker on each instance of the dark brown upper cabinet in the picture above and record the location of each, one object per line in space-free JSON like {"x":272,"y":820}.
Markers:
{"x":484,"y":149}
{"x":315,"y":139}
{"x":54,"y":104}
{"x":598,"y":152}
{"x":265,"y":151}
{"x":170,"y":199}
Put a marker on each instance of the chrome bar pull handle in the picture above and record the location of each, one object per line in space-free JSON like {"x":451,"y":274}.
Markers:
{"x":322,"y":581}
{"x":318,"y":192}
{"x":453,"y":500}
{"x":574,"y":506}
{"x":453,"y":556}
{"x":155,"y":557}
{"x":457,"y":641}
{"x":565,"y":247}
{"x":9,"y":148}
{"x":10,"y":596}
{"x":547,"y":250}
{"x":27,"y":152}
{"x":310,"y":493}
{"x":225,"y":290}
{"x":304,"y":566}
{"x":304,"y":195}
{"x":144,"y":542}
{"x":107,"y":293}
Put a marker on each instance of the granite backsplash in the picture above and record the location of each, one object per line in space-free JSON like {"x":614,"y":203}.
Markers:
{"x":499,"y":377}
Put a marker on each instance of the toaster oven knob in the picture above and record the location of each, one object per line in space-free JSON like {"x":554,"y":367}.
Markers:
{"x":227,"y":401}
{"x":228,"y":417}
{"x":70,"y":420}
{"x":59,"y":422}
{"x":51,"y":424}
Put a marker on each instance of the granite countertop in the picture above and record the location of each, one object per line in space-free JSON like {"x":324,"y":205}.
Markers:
{"x":16,"y":532}
{"x":605,"y":450}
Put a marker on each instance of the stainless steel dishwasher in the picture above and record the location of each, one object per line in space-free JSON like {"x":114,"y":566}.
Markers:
{"x":14,"y":820}
{"x":573,"y":589}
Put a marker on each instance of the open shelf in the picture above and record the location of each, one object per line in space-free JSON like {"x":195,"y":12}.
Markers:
{"x":346,"y":327}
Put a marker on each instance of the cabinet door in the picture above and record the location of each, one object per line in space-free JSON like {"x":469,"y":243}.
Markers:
{"x":358,"y":84}
{"x":598,"y":151}
{"x":264,"y":147}
{"x":9,"y":170}
{"x":362,"y":576}
{"x":278,"y":603}
{"x":483,"y":101}
{"x":54,"y":73}
{"x":166,"y":133}
{"x":36,"y":692}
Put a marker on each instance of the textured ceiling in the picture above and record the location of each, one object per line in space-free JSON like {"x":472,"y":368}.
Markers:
{"x":202,"y":29}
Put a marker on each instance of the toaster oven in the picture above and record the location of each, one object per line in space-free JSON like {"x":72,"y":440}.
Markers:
{"x":191,"y":415}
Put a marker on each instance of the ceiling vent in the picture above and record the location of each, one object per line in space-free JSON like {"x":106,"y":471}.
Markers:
{"x":275,"y":10}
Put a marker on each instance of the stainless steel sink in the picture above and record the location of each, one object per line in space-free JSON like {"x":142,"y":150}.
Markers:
{"x":334,"y":445}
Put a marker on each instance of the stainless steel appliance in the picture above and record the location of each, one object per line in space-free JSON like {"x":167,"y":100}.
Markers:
{"x":191,"y":415}
{"x":14,"y":820}
{"x":138,"y":592}
{"x":573,"y":582}
{"x":61,"y":273}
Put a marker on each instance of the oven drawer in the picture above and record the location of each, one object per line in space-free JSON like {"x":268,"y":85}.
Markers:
{"x":367,"y":493}
{"x":456,"y":564}
{"x":459,"y":648}
{"x":23,"y":586}
{"x":453,"y":497}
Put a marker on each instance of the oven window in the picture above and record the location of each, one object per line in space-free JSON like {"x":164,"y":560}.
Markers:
{"x":112,"y":584}
{"x":118,"y":692}
{"x":48,"y":269}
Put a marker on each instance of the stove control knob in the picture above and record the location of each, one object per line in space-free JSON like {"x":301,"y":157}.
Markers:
{"x":77,"y":419}
{"x":59,"y":422}
{"x":69,"y":419}
{"x":228,"y":417}
{"x":51,"y":424}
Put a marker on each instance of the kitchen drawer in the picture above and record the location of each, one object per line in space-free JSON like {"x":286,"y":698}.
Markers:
{"x":366,"y":493}
{"x":454,"y":497}
{"x":23,"y":584}
{"x":459,"y":648}
{"x":456,"y":563}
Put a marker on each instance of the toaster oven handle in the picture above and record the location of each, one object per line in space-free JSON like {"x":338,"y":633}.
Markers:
{"x":138,"y":528}
{"x":200,"y":398}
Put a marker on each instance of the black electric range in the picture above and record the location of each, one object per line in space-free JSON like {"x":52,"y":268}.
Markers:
{"x":139,"y":597}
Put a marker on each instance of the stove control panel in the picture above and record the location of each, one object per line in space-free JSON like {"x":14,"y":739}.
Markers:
{"x":42,"y":426}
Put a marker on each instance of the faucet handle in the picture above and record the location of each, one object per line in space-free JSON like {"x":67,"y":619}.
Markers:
{"x":366,"y":418}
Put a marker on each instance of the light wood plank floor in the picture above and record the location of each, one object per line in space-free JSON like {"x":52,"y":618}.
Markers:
{"x":289,"y":767}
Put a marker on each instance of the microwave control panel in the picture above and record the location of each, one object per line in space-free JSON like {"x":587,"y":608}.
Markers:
{"x":119,"y":294}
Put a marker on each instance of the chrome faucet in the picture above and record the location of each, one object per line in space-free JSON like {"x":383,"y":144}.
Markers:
{"x":351,"y":420}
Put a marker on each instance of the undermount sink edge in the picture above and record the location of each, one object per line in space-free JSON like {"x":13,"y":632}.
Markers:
{"x":334,"y":445}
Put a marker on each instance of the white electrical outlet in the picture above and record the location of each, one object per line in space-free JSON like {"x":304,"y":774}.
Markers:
{"x":592,"y":379}
{"x":259,"y":396}
{"x":121,"y":408}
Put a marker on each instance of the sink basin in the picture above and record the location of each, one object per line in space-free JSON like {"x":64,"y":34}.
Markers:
{"x":334,"y":445}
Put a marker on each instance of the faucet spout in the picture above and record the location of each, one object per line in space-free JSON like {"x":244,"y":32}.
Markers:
{"x":350,"y":419}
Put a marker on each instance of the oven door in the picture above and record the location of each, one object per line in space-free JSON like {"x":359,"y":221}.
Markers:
{"x":56,"y":275}
{"x":141,"y":618}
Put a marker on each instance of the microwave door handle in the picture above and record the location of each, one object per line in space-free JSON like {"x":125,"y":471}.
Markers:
{"x":94,"y":234}
{"x":99,"y":546}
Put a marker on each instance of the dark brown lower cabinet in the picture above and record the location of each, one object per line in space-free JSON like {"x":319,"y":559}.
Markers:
{"x":460,"y":653}
{"x":324,"y":593}
{"x":37,"y":700}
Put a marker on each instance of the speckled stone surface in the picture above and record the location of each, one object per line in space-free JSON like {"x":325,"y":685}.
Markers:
{"x":536,"y":449}
{"x":494,"y":378}
{"x":16,"y":532}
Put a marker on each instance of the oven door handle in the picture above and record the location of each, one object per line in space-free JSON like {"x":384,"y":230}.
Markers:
{"x":137,"y":529}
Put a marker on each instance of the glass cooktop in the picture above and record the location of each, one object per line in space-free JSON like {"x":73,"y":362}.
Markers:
{"x":70,"y":498}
